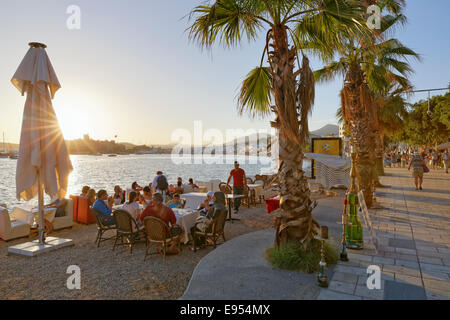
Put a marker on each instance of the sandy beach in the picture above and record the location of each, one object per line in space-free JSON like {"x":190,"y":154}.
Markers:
{"x":107,"y":274}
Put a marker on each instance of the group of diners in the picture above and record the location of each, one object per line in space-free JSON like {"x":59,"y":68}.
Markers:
{"x":157,"y":199}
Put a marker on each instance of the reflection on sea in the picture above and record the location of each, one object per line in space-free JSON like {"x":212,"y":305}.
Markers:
{"x":102,"y":172}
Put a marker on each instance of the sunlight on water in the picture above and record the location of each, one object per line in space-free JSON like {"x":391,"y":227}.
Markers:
{"x":102,"y":172}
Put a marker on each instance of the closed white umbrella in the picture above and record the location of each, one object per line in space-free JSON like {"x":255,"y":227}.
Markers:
{"x":44,"y":162}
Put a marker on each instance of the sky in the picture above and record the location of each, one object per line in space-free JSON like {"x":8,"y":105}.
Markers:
{"x":131,"y":71}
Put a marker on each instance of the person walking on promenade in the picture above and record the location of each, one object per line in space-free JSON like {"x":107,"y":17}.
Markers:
{"x":417,"y":163}
{"x":445,"y":160}
{"x":239,"y":182}
{"x":434,"y":159}
{"x":404,"y":158}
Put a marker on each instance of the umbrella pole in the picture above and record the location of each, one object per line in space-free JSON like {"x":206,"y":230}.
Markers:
{"x":41,"y":210}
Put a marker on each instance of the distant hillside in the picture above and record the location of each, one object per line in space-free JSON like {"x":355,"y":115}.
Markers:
{"x":328,"y":130}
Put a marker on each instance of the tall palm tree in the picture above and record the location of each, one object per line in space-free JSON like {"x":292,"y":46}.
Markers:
{"x":368,"y":66}
{"x":284,"y":87}
{"x":391,"y":112}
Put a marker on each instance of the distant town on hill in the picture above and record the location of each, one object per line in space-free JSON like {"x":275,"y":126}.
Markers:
{"x":86,"y":145}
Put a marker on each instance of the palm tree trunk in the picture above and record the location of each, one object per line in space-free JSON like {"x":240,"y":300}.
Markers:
{"x":359,"y":112}
{"x":297,"y":223}
{"x":379,"y":150}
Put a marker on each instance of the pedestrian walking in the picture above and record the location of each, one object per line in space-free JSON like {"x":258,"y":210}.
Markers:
{"x":417,"y":163}
{"x":445,"y":160}
{"x":239,"y":182}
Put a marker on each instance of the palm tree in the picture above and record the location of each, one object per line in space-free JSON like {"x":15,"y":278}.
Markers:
{"x":391,"y":112}
{"x":368,"y":67}
{"x":281,"y":87}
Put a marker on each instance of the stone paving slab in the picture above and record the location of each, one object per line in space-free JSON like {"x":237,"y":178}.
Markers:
{"x":413,"y":257}
{"x":414,"y":254}
{"x":404,"y":291}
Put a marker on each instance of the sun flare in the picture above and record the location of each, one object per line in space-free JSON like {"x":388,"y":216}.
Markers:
{"x":75,"y":115}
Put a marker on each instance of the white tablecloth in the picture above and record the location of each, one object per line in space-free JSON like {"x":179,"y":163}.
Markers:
{"x":186,"y":219}
{"x":28,"y":214}
{"x":258,"y":188}
{"x":193,"y":199}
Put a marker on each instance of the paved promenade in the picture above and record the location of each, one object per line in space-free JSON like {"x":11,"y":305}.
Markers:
{"x":413,"y":228}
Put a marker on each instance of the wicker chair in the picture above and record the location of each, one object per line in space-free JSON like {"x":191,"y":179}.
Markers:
{"x":156,"y":232}
{"x":101,"y":228}
{"x":213,"y":231}
{"x":225,"y":188}
{"x":127,"y":228}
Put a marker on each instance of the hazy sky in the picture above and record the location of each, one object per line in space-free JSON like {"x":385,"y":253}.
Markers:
{"x":131,"y":71}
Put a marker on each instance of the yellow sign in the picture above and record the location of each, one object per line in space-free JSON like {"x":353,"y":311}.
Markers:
{"x":332,"y":146}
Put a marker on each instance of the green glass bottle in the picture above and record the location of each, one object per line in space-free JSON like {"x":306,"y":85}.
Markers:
{"x":353,"y":226}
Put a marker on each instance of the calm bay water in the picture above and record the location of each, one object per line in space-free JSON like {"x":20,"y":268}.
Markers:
{"x":103,"y":172}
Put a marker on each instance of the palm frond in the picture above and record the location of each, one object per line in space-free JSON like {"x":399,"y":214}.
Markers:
{"x":324,"y":31}
{"x":331,"y":70}
{"x":255,"y":94}
{"x":225,"y":22}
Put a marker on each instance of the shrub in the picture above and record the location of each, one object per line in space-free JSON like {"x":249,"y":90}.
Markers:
{"x":299,"y":257}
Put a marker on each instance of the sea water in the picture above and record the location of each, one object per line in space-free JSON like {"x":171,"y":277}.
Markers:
{"x":103,"y":172}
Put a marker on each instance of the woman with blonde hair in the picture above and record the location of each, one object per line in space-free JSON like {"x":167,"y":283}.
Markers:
{"x":92,"y":196}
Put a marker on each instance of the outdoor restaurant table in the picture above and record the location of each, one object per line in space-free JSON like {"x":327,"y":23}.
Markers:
{"x":120,"y":206}
{"x":256,"y":188}
{"x":186,"y":219}
{"x":31,"y":213}
{"x":272,"y":204}
{"x":193,"y":199}
{"x":230,"y":197}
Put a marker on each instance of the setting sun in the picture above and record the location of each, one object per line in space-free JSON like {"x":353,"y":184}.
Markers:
{"x":75,"y":114}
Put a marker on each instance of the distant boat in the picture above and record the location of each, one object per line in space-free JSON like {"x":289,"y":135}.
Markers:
{"x":13,"y":155}
{"x":112,"y":155}
{"x":4,"y":154}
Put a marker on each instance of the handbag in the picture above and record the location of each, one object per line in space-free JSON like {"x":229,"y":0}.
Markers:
{"x":425,"y":169}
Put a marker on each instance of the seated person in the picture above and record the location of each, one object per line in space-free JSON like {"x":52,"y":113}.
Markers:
{"x":159,"y":210}
{"x":194,"y":186}
{"x":136,"y":187}
{"x":204,"y":207}
{"x":92,"y":196}
{"x":103,"y":209}
{"x":118,"y":195}
{"x":204,"y":223}
{"x":175,"y":202}
{"x":179,"y":188}
{"x":60,"y":205}
{"x":84,"y":191}
{"x":132,"y":206}
{"x":147,"y":195}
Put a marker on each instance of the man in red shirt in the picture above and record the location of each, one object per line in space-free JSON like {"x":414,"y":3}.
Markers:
{"x":239,"y":181}
{"x":159,"y":210}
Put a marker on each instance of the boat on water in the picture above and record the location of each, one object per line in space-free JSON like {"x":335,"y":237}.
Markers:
{"x":112,"y":155}
{"x":4,"y":153}
{"x":13,"y":155}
